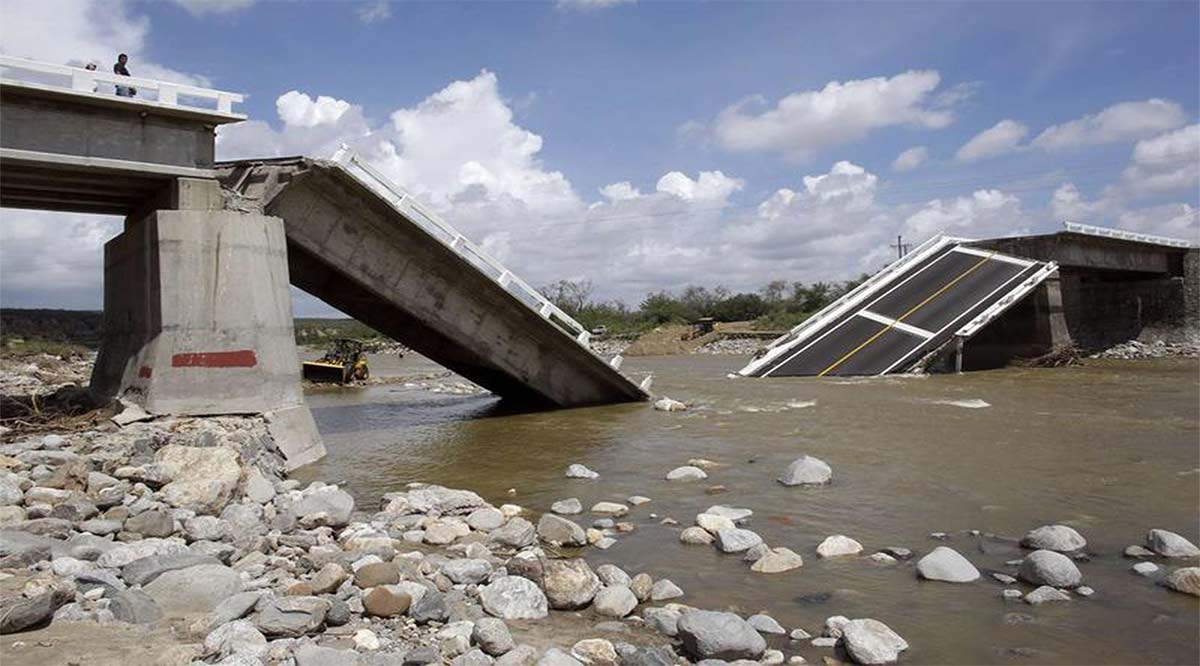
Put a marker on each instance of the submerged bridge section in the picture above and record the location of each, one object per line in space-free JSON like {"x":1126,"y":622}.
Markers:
{"x":362,"y":244}
{"x":942,"y":292}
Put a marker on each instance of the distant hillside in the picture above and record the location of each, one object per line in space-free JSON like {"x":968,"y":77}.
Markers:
{"x":79,"y":327}
{"x":82,"y":327}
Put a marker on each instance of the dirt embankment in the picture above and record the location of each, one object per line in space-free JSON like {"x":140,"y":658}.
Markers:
{"x":682,"y":339}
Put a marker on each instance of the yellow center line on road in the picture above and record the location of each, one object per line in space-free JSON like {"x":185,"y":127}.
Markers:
{"x":899,"y":319}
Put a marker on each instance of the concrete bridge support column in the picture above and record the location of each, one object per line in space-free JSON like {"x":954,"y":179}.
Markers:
{"x":1051,"y":315}
{"x":198,"y":321}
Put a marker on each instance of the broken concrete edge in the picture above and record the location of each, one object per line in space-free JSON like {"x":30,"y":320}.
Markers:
{"x":296,"y":436}
{"x":293,"y":429}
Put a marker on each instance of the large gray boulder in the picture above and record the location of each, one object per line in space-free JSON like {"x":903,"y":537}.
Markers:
{"x":686,"y":473}
{"x":556,"y":529}
{"x":492,"y":636}
{"x":947,"y":565}
{"x":323,"y":505}
{"x":612,"y":575}
{"x":717,"y":635}
{"x":870,"y":641}
{"x":151,"y":524}
{"x":569,"y":506}
{"x":290,"y":617}
{"x":516,"y":533}
{"x":134,"y":607}
{"x":1046,"y":567}
{"x":1185,"y":580}
{"x":1170,"y":544}
{"x":20,"y":549}
{"x":1054,"y":537}
{"x":577,"y":471}
{"x":569,"y":584}
{"x":203,"y":479}
{"x":777,"y":560}
{"x":806,"y":471}
{"x":514,"y":598}
{"x":143,"y":571}
{"x":311,"y":654}
{"x":237,"y":637}
{"x":125,"y":553}
{"x":662,"y":620}
{"x":21,"y":613}
{"x":467,"y":571}
{"x":10,"y":490}
{"x":736,"y":539}
{"x":195,"y":589}
{"x":431,"y":607}
{"x":616,"y":601}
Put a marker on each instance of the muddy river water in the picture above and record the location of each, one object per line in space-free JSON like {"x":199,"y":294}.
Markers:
{"x":1112,"y":449}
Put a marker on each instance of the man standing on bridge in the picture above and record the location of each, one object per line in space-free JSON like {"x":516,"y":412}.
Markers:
{"x":120,"y":69}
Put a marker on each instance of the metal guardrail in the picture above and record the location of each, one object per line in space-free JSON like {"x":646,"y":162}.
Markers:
{"x":846,"y":301}
{"x":87,"y":81}
{"x":435,"y":226}
{"x":1121,"y":234}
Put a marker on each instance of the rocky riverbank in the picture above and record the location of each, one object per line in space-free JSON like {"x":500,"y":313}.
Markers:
{"x":184,"y":534}
{"x":181,"y":541}
{"x":1135,"y":349}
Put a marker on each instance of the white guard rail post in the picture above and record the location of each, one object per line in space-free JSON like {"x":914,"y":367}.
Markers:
{"x":88,"y":81}
{"x":447,"y":235}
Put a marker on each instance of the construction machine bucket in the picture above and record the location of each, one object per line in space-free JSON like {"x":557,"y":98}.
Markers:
{"x":325,"y":372}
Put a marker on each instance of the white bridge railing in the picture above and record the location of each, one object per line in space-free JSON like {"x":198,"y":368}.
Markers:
{"x":1122,"y":234}
{"x":88,"y":81}
{"x":438,"y":228}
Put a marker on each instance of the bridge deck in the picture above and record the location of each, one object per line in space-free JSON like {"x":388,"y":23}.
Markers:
{"x":910,"y":309}
{"x":363,"y":245}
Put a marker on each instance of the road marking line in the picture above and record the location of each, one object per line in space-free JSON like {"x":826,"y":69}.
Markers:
{"x":902,"y":317}
{"x":993,"y":255}
{"x":898,"y":325}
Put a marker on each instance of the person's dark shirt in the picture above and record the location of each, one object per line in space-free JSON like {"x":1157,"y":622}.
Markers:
{"x":118,"y":68}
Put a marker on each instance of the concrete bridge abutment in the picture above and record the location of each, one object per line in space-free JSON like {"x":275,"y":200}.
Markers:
{"x":198,"y":319}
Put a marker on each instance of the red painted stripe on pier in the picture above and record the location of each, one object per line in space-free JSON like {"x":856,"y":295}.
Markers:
{"x":241,"y":358}
{"x":145,"y":371}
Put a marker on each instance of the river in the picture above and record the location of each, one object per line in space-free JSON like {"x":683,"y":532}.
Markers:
{"x":1111,"y":448}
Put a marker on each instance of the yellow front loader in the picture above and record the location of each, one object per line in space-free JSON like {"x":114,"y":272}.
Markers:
{"x":343,"y":363}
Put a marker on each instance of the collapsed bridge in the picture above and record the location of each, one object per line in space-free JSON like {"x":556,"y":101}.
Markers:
{"x":961,"y":304}
{"x":197,"y":304}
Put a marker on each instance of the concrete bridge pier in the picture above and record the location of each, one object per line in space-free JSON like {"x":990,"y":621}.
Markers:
{"x":198,"y":317}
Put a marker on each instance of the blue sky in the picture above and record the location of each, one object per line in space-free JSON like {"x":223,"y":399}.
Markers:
{"x":658,"y":94}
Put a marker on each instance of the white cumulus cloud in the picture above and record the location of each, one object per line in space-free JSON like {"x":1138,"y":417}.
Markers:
{"x":805,"y":122}
{"x":982,"y":214}
{"x":1002,"y":138}
{"x":298,"y":109}
{"x":709,"y":186}
{"x":1170,"y":161}
{"x":910,"y":159}
{"x":1120,"y":122}
{"x":374,"y":11}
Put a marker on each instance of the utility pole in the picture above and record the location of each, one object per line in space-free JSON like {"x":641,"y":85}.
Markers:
{"x":901,"y":247}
